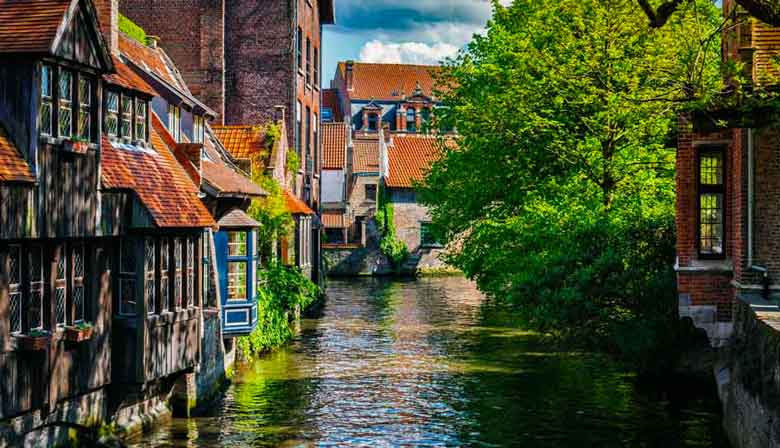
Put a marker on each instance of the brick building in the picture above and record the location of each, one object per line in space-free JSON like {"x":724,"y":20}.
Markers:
{"x":727,"y":189}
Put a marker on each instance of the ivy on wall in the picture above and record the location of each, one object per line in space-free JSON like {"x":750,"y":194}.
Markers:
{"x":390,"y":245}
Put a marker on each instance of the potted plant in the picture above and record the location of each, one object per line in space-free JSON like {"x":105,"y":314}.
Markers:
{"x":80,"y":332}
{"x":37,"y":340}
{"x":78,"y":145}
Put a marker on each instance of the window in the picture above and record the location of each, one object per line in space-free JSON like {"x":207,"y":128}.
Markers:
{"x":60,"y":288}
{"x":238,"y":251}
{"x":206,"y":248}
{"x":190,"y":272}
{"x":65,"y":103}
{"x":177,"y":285}
{"x":149,"y":271}
{"x":308,"y":134}
{"x":308,"y":61}
{"x":299,"y":48}
{"x":316,"y":140}
{"x":316,"y":64}
{"x":127,"y":279}
{"x":425,"y":118}
{"x":711,"y":198}
{"x":126,"y":117}
{"x":78,"y":261}
{"x":372,"y":122}
{"x":15,"y":288}
{"x":371,"y":192}
{"x":427,"y":238}
{"x":174,"y":122}
{"x":111,"y":122}
{"x":411,"y":120}
{"x":298,"y":126}
{"x":46,"y":111}
{"x":35,"y":285}
{"x":85,"y":108}
{"x":165,"y":266}
{"x":198,"y":132}
{"x":140,"y":119}
{"x":327,"y":114}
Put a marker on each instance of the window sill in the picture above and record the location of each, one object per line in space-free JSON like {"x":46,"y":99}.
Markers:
{"x":706,"y":266}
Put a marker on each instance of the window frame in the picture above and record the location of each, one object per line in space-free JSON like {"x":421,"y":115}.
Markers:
{"x":424,"y":230}
{"x":47,"y":99}
{"x":704,"y":189}
{"x":127,"y":276}
{"x":411,"y":113}
{"x":243,"y":259}
{"x":316,"y":64}
{"x":174,"y":122}
{"x":85,"y":108}
{"x":308,"y":62}
{"x":109,"y":112}
{"x":366,"y":195}
{"x":65,"y":104}
{"x":299,"y":49}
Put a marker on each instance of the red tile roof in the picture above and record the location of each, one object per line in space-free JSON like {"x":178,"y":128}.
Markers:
{"x":242,"y":141}
{"x":389,"y":81}
{"x":409,"y":159}
{"x":330,"y":98}
{"x":151,"y":59}
{"x":13,"y":167}
{"x":30,"y":25}
{"x":237,"y":218}
{"x":334,"y":220}
{"x":366,"y":156}
{"x":334,"y":145}
{"x":228,"y":181}
{"x":158,"y":180}
{"x":125,"y":77}
{"x":296,"y":206}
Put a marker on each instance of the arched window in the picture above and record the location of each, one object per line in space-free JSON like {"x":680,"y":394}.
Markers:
{"x":373,"y":119}
{"x":411,"y":120}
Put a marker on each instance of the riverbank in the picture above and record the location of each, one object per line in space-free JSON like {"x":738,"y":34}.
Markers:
{"x":430,"y":361}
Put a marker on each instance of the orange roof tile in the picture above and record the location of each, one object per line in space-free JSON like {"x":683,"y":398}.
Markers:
{"x":13,"y":167}
{"x":330,"y":98}
{"x":158,"y":180}
{"x":125,"y":77}
{"x":334,"y":220}
{"x":228,"y":181}
{"x":366,"y":156}
{"x":242,"y":141}
{"x":389,"y":81}
{"x":151,"y":59}
{"x":296,"y":206}
{"x":334,"y":145}
{"x":409,"y":159}
{"x":30,"y":25}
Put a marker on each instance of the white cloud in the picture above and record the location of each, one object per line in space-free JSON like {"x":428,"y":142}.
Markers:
{"x":406,"y":52}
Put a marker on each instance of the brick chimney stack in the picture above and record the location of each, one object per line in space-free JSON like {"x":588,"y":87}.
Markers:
{"x":108,"y":16}
{"x":349,"y":68}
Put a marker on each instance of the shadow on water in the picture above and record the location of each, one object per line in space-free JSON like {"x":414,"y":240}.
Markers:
{"x":431,"y":363}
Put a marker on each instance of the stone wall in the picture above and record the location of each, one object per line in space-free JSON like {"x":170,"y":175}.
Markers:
{"x":408,"y":217}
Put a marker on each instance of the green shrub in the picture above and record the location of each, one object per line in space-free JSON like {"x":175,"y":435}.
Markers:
{"x":390,"y":245}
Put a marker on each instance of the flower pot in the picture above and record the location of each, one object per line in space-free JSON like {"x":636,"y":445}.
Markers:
{"x":75,"y":147}
{"x":73,"y":334}
{"x":33,"y":343}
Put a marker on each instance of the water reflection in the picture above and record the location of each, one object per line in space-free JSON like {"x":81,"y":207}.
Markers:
{"x":430,"y":363}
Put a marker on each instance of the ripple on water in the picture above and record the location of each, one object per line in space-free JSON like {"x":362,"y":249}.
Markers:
{"x":431,"y":363}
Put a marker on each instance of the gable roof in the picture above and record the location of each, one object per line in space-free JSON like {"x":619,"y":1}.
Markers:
{"x":147,"y":58}
{"x":365,"y":155}
{"x":37,"y":26}
{"x":126,"y":78}
{"x":159,"y":182}
{"x":388,"y":81}
{"x":334,"y":145}
{"x":242,"y":141}
{"x":409,"y":159}
{"x":237,"y":218}
{"x":296,"y":206}
{"x":13,"y":166}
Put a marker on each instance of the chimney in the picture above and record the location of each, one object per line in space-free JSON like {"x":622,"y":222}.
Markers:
{"x":349,"y":68}
{"x":108,"y":16}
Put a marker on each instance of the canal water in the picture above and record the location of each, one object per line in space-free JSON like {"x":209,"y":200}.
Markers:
{"x":432,"y":363}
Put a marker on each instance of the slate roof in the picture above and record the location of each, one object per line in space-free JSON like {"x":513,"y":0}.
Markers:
{"x":389,"y":81}
{"x":30,"y":26}
{"x":237,"y":218}
{"x":296,"y":206}
{"x":160,"y":183}
{"x":242,"y":141}
{"x":13,"y":166}
{"x":366,"y":156}
{"x":334,"y":145}
{"x":409,"y":158}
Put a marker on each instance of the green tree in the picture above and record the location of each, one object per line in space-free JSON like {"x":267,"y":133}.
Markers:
{"x":560,"y":192}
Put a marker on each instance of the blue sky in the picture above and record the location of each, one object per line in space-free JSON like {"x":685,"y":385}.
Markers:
{"x":406,"y":31}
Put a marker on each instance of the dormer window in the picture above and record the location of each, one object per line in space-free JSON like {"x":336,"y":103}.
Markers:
{"x":198,"y":129}
{"x":140,"y":119}
{"x":112,"y":114}
{"x":372,"y":122}
{"x":65,"y":103}
{"x":411,"y":120}
{"x":174,"y":122}
{"x":126,"y":116}
{"x":46,"y":110}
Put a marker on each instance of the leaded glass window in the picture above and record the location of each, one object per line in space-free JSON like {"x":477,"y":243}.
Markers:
{"x":177,"y":287}
{"x":126,"y":117}
{"x":60,"y":288}
{"x":46,"y":110}
{"x":65,"y":103}
{"x":140,"y":120}
{"x":79,"y":273}
{"x":112,"y":114}
{"x":85,"y":108}
{"x":164,"y":290}
{"x":35,"y":306}
{"x":711,"y":203}
{"x":127,"y":279}
{"x":15,"y":288}
{"x":149,"y":268}
{"x":190,"y":272}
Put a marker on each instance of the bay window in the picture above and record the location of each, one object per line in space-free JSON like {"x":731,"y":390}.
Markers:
{"x":711,"y":202}
{"x":237,"y":266}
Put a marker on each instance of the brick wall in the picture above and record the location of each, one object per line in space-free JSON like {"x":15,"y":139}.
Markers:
{"x":192,"y":34}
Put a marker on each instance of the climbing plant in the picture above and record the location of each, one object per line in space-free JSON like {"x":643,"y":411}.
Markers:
{"x":131,"y":29}
{"x":390,"y":245}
